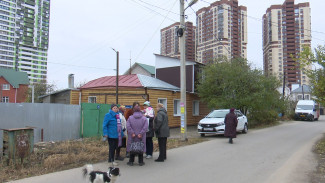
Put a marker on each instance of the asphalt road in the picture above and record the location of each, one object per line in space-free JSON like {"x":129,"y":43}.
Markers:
{"x":281,"y":154}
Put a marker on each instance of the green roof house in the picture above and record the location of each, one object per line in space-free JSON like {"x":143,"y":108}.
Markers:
{"x":143,"y":69}
{"x":13,"y":86}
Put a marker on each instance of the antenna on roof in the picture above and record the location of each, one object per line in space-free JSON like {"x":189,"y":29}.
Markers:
{"x":130,"y":64}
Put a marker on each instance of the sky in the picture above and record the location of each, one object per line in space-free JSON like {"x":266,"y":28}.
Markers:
{"x":84,"y":33}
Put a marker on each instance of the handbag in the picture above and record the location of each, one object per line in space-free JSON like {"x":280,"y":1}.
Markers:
{"x":137,"y":147}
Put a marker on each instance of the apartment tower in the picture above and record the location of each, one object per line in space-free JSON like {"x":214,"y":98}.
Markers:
{"x":221,"y":31}
{"x":24,"y":36}
{"x":286,"y":30}
{"x":169,"y":42}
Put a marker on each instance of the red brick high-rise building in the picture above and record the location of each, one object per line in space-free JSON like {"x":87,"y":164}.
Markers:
{"x":169,"y":42}
{"x":286,"y":30}
{"x":221,"y":31}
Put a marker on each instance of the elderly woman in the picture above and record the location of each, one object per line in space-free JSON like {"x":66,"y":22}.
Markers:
{"x":149,"y":113}
{"x":162,"y":131}
{"x":231,"y":125}
{"x":112,"y":130}
{"x":137,"y":126}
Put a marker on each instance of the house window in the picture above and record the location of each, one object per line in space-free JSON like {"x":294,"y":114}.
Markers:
{"x":177,"y":108}
{"x":307,"y":97}
{"x":91,"y":99}
{"x":5,"y":99}
{"x":163,"y":101}
{"x":299,"y":97}
{"x":5,"y":87}
{"x":196,"y":105}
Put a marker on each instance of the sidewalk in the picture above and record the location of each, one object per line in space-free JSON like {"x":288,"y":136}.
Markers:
{"x":191,"y":132}
{"x":75,"y":175}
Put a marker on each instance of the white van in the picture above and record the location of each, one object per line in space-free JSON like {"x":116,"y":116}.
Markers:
{"x":307,"y":110}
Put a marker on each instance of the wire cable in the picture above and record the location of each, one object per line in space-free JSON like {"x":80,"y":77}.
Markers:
{"x":158,"y":28}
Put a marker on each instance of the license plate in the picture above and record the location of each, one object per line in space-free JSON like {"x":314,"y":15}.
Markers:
{"x":208,"y":129}
{"x":302,"y":115}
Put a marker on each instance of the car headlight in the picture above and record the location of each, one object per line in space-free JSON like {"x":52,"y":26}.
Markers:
{"x":220,"y":124}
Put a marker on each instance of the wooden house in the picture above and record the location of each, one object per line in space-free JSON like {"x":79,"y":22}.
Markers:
{"x":140,"y":88}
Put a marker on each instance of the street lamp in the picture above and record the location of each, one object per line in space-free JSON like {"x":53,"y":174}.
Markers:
{"x":180,"y":33}
{"x":117,"y":67}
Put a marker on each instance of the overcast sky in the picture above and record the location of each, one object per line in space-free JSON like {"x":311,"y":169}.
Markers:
{"x":82,"y":34}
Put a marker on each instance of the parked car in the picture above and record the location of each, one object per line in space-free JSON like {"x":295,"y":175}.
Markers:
{"x":307,"y":110}
{"x":213,"y":123}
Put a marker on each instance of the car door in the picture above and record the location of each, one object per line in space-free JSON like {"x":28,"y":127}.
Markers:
{"x":241,"y":120}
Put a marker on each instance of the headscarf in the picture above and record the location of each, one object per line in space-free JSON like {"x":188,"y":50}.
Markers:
{"x":232,"y":110}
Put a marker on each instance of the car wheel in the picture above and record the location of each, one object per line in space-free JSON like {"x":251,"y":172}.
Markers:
{"x":312,"y":118}
{"x":245,"y":129}
{"x":202,"y":134}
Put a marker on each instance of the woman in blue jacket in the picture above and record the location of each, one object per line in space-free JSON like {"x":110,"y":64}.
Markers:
{"x":112,"y":130}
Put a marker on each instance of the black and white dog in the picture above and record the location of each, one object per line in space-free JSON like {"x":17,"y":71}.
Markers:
{"x":99,"y":176}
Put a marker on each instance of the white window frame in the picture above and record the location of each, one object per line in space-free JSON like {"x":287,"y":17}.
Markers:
{"x":196,"y":108}
{"x":164,"y":102}
{"x":91,"y":97}
{"x":177,"y":104}
{"x":299,"y":96}
{"x":5,"y":86}
{"x":5,"y":100}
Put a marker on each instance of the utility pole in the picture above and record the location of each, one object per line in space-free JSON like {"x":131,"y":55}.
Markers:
{"x":117,"y":68}
{"x":183,"y":72}
{"x":181,"y":35}
{"x":284,"y":81}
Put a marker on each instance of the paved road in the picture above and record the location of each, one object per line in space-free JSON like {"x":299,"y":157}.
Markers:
{"x":280,"y":154}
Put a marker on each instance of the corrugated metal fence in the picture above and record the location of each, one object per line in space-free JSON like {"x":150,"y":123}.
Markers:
{"x":58,"y":121}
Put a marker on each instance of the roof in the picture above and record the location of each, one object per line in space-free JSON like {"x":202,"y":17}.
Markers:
{"x":154,"y":83}
{"x":149,"y":68}
{"x":299,"y":90}
{"x":59,"y":91}
{"x":15,"y":78}
{"x":133,"y":80}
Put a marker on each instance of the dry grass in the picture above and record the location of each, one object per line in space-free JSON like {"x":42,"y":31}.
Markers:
{"x":319,"y":175}
{"x":57,"y":156}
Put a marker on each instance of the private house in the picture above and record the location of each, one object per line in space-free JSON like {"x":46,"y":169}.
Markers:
{"x":65,"y":96}
{"x":13,"y":86}
{"x":137,"y":87}
{"x":143,"y":69}
{"x":69,"y":95}
{"x":168,"y":70}
{"x":303,"y":92}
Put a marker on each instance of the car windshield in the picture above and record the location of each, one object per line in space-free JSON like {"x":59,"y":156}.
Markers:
{"x":217,"y":114}
{"x":305,"y":107}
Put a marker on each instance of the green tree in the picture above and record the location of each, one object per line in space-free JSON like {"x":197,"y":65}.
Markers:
{"x":316,"y":76}
{"x":227,"y":84}
{"x":40,"y":89}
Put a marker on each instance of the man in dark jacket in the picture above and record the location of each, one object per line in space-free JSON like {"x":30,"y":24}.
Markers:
{"x":231,"y":125}
{"x":162,"y":131}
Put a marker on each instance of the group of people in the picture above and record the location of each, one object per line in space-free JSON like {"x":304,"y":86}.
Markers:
{"x":135,"y":130}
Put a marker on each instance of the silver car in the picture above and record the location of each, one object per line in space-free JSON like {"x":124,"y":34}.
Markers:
{"x":213,"y":123}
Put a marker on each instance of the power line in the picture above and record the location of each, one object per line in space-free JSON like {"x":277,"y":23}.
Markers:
{"x":154,"y":33}
{"x":153,"y":11}
{"x":81,"y":66}
{"x":159,"y":7}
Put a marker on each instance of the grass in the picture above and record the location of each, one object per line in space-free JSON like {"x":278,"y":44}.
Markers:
{"x":319,"y":150}
{"x":56,"y":156}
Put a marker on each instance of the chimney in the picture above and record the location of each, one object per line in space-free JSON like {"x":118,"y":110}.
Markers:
{"x":71,"y":80}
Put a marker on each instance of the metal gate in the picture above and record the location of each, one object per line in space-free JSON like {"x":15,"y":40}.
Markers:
{"x":92,"y":116}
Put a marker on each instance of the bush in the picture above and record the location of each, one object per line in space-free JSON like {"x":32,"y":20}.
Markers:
{"x":258,"y":118}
